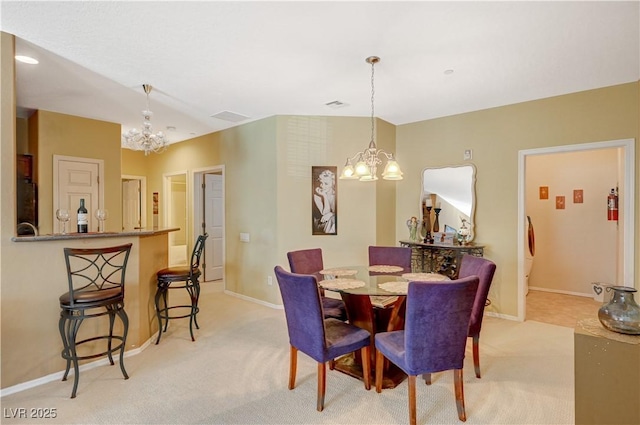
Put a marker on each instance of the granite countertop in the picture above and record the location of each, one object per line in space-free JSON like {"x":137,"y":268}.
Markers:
{"x":70,"y":236}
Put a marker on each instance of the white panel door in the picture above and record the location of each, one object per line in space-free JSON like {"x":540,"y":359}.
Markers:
{"x":214,"y":225}
{"x":78,"y":180}
{"x":131,"y":211}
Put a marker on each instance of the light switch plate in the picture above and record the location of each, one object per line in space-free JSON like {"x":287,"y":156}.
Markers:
{"x":244,"y":237}
{"x":468,"y":154}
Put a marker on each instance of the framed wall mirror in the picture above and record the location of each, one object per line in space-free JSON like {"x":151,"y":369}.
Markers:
{"x":454,"y":188}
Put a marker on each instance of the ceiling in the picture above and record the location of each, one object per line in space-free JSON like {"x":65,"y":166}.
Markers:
{"x":259,"y":59}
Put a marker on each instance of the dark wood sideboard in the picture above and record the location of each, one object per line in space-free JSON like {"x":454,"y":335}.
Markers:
{"x":439,"y":257}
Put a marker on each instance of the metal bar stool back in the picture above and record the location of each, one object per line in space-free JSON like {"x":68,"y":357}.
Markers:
{"x":96,"y":288}
{"x":189,"y":275}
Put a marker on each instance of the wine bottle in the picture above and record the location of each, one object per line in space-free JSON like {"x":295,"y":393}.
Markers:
{"x":83,"y":218}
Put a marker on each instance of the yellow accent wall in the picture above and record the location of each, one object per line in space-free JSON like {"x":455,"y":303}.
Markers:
{"x":60,"y":134}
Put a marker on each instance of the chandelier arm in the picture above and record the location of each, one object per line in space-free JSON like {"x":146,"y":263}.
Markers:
{"x":387,"y":155}
{"x":356,"y":156}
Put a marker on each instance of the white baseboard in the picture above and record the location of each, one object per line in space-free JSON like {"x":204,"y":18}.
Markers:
{"x":254,"y":300}
{"x":57,"y":376}
{"x":502,"y":316}
{"x":557,"y":291}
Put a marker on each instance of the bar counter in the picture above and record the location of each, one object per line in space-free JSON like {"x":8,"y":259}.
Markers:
{"x":71,"y":236}
{"x":34,"y":276}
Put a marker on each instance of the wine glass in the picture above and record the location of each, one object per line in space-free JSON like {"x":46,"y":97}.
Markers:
{"x":63,"y":216}
{"x":101,"y":215}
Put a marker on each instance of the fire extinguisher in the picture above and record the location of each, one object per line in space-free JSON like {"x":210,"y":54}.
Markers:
{"x":612,"y":206}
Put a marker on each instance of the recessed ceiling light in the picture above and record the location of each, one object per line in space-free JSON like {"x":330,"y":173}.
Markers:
{"x":171,"y":128}
{"x":27,"y":59}
{"x":448,"y":71}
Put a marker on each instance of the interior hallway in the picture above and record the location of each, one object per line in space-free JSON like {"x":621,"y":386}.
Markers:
{"x":559,"y":309}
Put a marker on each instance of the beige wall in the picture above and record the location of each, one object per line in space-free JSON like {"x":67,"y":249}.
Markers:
{"x":386,"y":190}
{"x":576,"y":245}
{"x":7,"y":143}
{"x":267,"y":187}
{"x":268,"y":192}
{"x":317,"y":140}
{"x":496,"y":135}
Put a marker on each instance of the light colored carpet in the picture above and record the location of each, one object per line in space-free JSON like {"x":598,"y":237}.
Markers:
{"x":236,"y":373}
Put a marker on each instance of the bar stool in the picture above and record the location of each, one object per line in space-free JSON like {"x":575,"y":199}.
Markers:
{"x":96,"y":288}
{"x":189,"y":275}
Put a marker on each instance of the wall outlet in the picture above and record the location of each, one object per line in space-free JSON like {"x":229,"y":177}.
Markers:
{"x":269,"y":280}
{"x":244,"y":237}
{"x":468,"y":154}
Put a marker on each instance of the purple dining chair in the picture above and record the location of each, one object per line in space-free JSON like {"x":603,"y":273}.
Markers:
{"x":321,"y":339}
{"x":434,"y":338}
{"x":309,"y":261}
{"x":484,"y":269}
{"x":391,"y":256}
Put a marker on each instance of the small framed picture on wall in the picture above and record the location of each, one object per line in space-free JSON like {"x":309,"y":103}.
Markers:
{"x":544,"y":192}
{"x":577,"y":196}
{"x":324,"y":200}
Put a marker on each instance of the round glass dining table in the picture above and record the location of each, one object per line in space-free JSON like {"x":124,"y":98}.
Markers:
{"x":374,"y":300}
{"x":372,"y":280}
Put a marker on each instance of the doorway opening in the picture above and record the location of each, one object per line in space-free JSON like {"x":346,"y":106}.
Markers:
{"x":209,"y":217}
{"x":175,"y":209}
{"x":134,"y":203}
{"x":626,"y":180}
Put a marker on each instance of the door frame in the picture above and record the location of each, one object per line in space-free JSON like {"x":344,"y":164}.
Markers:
{"x":166,"y":205}
{"x":56,"y":191}
{"x":627,"y":207}
{"x":198,"y":205}
{"x":143,"y":196}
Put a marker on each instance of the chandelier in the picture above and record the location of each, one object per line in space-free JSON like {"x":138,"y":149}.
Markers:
{"x":145,"y":140}
{"x":367,"y":161}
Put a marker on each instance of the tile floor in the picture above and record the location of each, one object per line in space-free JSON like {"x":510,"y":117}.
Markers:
{"x":559,"y":309}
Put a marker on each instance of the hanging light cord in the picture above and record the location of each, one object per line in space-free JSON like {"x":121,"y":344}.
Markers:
{"x":372,"y":96}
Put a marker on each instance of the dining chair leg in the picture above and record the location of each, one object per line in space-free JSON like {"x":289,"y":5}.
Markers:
{"x":412,"y":399}
{"x":366,"y":367}
{"x":459,"y":390}
{"x":379,"y":367}
{"x":427,"y":378}
{"x":293,"y":365}
{"x":322,"y":384}
{"x":476,"y":354}
{"x":332,"y":364}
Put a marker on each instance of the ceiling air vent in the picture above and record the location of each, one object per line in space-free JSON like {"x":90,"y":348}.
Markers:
{"x":336,"y":104}
{"x":229,"y":116}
